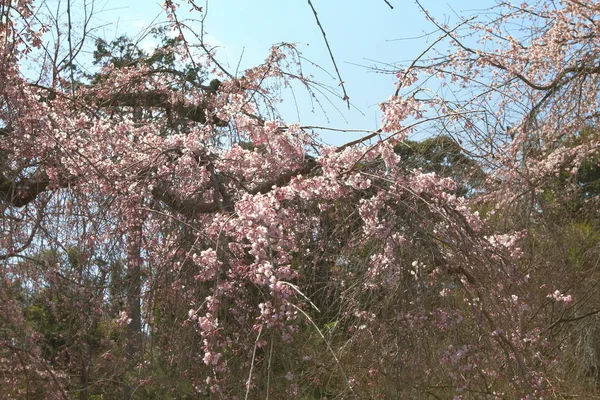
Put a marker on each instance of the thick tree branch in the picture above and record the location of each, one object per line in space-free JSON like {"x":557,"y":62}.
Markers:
{"x":197,"y":112}
{"x":19,"y":194}
{"x":285,"y":178}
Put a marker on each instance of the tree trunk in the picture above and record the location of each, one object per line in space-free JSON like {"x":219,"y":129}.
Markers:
{"x":133,"y":333}
{"x":83,"y":391}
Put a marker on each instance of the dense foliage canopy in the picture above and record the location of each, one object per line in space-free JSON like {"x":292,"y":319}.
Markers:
{"x":166,"y":235}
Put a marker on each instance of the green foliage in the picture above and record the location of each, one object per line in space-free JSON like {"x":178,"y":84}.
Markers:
{"x":444,"y":156}
{"x":583,"y":181}
{"x":584,"y":239}
{"x":123,"y":52}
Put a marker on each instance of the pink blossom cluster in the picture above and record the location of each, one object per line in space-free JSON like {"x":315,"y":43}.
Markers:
{"x":559,"y":296}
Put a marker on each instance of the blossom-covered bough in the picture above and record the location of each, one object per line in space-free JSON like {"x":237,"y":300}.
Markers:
{"x":164,"y":237}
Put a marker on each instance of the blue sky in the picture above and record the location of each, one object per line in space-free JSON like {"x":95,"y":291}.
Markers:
{"x":362,"y":33}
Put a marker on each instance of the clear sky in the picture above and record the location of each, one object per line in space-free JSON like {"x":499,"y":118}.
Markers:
{"x":362,"y":34}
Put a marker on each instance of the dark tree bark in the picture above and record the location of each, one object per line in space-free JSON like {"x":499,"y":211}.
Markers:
{"x":133,"y":333}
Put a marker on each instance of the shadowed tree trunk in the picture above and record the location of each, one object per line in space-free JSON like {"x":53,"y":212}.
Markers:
{"x":84,"y":391}
{"x":133,"y":346}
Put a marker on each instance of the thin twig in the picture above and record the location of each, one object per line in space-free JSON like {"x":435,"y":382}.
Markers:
{"x":442,"y":37}
{"x":301,"y":294}
{"x":269,"y":370}
{"x":252,"y":363}
{"x":345,"y":98}
{"x":337,"y":361}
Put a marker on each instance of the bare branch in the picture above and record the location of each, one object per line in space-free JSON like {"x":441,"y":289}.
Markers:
{"x":345,"y":98}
